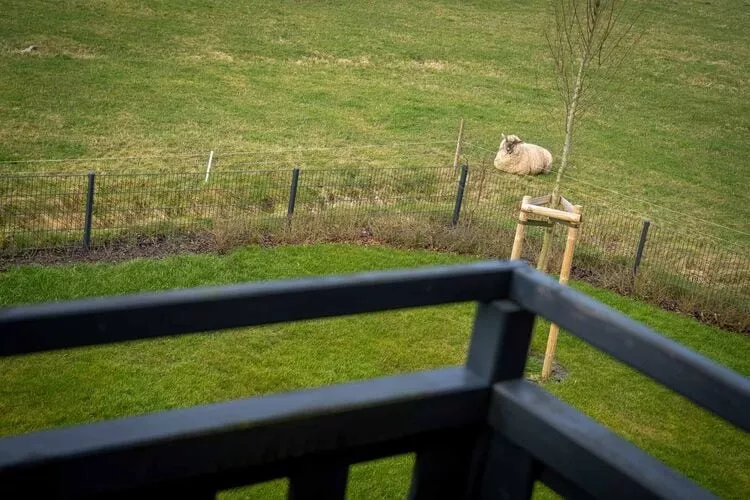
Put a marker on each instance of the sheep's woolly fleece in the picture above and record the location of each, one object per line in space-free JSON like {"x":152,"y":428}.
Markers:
{"x":518,"y":157}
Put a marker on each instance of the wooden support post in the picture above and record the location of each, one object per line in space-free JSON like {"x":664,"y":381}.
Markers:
{"x":458,"y":144}
{"x":515,"y":254}
{"x":552,"y":213}
{"x":567,"y":264}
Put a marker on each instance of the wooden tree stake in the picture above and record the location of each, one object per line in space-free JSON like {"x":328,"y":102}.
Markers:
{"x":515,"y":254}
{"x":567,"y":264}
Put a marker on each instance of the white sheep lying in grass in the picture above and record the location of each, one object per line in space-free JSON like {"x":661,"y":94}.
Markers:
{"x":518,"y":157}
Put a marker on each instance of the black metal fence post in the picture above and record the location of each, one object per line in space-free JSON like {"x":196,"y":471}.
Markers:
{"x":641,"y":245}
{"x":292,"y":194}
{"x":89,"y":211}
{"x":460,"y":194}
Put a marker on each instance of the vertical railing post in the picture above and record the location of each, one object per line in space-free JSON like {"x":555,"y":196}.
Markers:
{"x":499,"y":341}
{"x":319,"y":480}
{"x":498,"y":352}
{"x":460,"y":194}
{"x":641,"y":245}
{"x":467,"y":467}
{"x":292,"y":195}
{"x":89,"y":211}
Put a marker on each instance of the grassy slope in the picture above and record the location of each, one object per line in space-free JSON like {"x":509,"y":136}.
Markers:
{"x":116,"y":77}
{"x":95,"y":383}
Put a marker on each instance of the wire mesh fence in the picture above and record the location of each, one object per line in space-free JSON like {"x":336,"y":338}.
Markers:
{"x":409,"y":205}
{"x":42,"y":211}
{"x":368,"y":193}
{"x":164,"y":203}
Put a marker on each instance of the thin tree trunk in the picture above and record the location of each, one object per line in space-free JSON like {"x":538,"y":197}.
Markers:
{"x":544,"y":254}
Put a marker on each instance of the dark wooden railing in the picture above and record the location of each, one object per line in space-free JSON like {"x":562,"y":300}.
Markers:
{"x":479,"y":431}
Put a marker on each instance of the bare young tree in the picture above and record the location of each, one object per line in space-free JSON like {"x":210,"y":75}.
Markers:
{"x":588,"y":41}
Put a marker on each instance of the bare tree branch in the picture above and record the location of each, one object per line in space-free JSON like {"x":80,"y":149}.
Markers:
{"x":589,"y":40}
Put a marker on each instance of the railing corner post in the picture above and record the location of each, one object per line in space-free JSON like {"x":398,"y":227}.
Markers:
{"x":498,"y":352}
{"x":500,"y":341}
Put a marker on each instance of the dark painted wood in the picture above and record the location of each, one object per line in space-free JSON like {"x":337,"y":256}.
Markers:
{"x":586,"y":453}
{"x":510,"y":470}
{"x":319,"y":480}
{"x":498,"y":351}
{"x":473,"y":439}
{"x":444,"y":468}
{"x":561,"y":485}
{"x":708,"y":384}
{"x":182,"y":491}
{"x":114,"y":319}
{"x":500,"y":341}
{"x":225,"y":479}
{"x":499,"y":345}
{"x":229,"y":437}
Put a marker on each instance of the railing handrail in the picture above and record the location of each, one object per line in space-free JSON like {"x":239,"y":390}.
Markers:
{"x":103,"y":320}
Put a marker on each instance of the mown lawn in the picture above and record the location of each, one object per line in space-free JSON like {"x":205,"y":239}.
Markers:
{"x":153,"y":77}
{"x":89,"y":384}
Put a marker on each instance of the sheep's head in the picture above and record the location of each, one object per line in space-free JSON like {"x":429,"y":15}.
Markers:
{"x":509,"y":143}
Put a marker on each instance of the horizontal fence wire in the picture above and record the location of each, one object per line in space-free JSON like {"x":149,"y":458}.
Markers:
{"x":410,"y":204}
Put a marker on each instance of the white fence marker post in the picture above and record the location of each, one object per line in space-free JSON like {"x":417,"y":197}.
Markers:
{"x":208,"y":167}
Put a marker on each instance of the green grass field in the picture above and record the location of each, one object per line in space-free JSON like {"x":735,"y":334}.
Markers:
{"x":90,"y":384}
{"x":155,"y":77}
